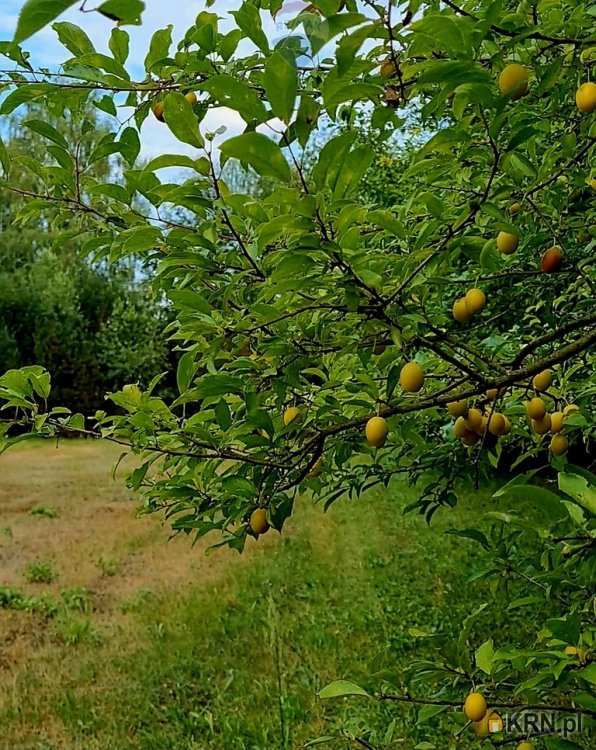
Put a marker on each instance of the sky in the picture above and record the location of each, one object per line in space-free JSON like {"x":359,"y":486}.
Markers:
{"x":48,"y":52}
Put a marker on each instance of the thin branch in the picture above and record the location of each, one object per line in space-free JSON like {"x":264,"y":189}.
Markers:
{"x":494,"y":704}
{"x":501,"y":382}
{"x":512,"y":34}
{"x":231,"y":227}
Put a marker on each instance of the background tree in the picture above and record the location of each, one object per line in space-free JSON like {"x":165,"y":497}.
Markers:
{"x":93,"y":325}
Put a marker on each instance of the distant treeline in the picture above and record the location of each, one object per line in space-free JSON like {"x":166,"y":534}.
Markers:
{"x":94,"y":326}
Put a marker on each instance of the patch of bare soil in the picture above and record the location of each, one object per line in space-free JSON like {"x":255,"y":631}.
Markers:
{"x":97,"y":541}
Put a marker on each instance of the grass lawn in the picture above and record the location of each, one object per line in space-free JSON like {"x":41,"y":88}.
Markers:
{"x":151,"y":644}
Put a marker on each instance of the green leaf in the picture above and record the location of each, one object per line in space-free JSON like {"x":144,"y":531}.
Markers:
{"x":580,"y":490}
{"x":181,"y":119}
{"x":353,"y":169}
{"x":474,"y":534}
{"x":119,"y":45}
{"x":140,"y":238}
{"x":22,"y":95}
{"x":249,"y":20}
{"x":339,"y":688}
{"x":307,"y":118}
{"x":239,"y":486}
{"x":4,"y":158}
{"x":545,"y":502}
{"x":320,"y":33}
{"x":428,"y":712}
{"x":73,"y":38}
{"x":234,"y":93}
{"x":47,"y":131}
{"x":320,"y":740}
{"x":186,"y":370}
{"x":588,"y":673}
{"x":263,"y":155}
{"x":566,"y":629}
{"x":174,"y":160}
{"x":189,"y":298}
{"x":36,"y":14}
{"x":130,"y":145}
{"x":218,"y":385}
{"x":223,"y":415}
{"x":100,"y":62}
{"x":123,"y":11}
{"x":485,"y":656}
{"x":281,"y":84}
{"x":330,"y":160}
{"x":159,"y":49}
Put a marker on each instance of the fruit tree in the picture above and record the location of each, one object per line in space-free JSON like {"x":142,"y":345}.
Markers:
{"x":327,"y":343}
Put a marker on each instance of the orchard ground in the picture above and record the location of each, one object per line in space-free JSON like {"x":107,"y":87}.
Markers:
{"x":132,"y":642}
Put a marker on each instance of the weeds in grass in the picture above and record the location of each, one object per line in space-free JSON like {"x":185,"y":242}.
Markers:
{"x":140,"y":599}
{"x":109,"y":566}
{"x":73,"y":631}
{"x":76,"y":599}
{"x":46,"y":511}
{"x":40,"y":571}
{"x":44,"y":605}
{"x":71,"y":600}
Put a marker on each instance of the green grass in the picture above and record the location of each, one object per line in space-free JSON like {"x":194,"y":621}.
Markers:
{"x":237,"y":664}
{"x":40,"y":571}
{"x":45,"y":511}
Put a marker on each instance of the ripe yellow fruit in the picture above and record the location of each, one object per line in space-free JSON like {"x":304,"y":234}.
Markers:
{"x":458,"y":408}
{"x":536,"y":408}
{"x":515,"y":208}
{"x":191,"y":98}
{"x":525,"y":745}
{"x":507,"y":243}
{"x":492,"y":394}
{"x":475,"y":707}
{"x":158,"y":111}
{"x":542,"y":426}
{"x":497,"y":424}
{"x":475,"y":300}
{"x":571,"y":651}
{"x":507,"y":425}
{"x":513,"y":81}
{"x":558,"y":445}
{"x":411,"y":377}
{"x":474,"y":420}
{"x":491,"y":722}
{"x":460,"y":427}
{"x":556,"y":421}
{"x":542,"y":381}
{"x":461,"y":311}
{"x":570,"y":409}
{"x":585,"y":97}
{"x":376,"y":431}
{"x":258,"y":521}
{"x":290,"y":414}
{"x":388,"y":69}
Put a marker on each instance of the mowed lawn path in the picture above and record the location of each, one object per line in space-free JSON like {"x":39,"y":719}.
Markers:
{"x":135,"y":640}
